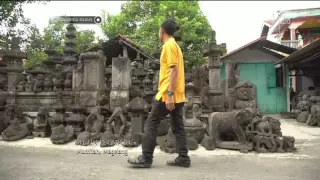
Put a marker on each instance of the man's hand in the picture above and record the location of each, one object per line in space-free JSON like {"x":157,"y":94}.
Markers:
{"x":170,"y":103}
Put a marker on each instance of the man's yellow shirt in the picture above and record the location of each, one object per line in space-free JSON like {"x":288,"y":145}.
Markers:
{"x":171,"y":55}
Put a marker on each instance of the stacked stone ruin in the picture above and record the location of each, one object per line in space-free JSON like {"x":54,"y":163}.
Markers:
{"x":83,"y":98}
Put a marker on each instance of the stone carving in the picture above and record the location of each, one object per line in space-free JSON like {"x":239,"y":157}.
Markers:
{"x":61,"y":134}
{"x":58,"y":82}
{"x":227,"y":127}
{"x":30,"y":82}
{"x":245,"y":97}
{"x":108,"y":138}
{"x":138,"y":110}
{"x":303,"y":110}
{"x":194,"y":128}
{"x":41,"y":123}
{"x":15,"y":131}
{"x":93,"y":127}
{"x":18,"y":126}
{"x":48,"y":83}
{"x":58,"y":117}
{"x":39,"y":84}
{"x":20,"y":85}
{"x":131,"y":139}
{"x":169,"y":143}
{"x":68,"y":82}
{"x":119,"y":121}
{"x":315,"y":116}
{"x":266,"y":135}
{"x":77,"y":119}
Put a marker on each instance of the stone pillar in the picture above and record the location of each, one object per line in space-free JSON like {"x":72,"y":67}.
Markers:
{"x":13,"y":59}
{"x":231,"y":82}
{"x":213,"y":52}
{"x":93,"y":71}
{"x":93,"y":78}
{"x":121,"y":80}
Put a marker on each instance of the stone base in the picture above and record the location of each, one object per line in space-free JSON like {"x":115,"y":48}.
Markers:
{"x":207,"y":143}
{"x":303,"y":117}
{"x":40,"y":134}
{"x":285,"y":115}
{"x":32,"y":101}
{"x":235,"y":146}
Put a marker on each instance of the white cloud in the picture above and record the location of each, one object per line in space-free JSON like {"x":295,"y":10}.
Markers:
{"x":236,"y":23}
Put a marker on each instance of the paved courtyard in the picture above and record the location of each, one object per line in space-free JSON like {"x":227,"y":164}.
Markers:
{"x":38,"y":158}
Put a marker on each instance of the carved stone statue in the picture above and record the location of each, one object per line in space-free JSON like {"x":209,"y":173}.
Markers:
{"x":39,"y":85}
{"x":315,"y":116}
{"x":227,"y":127}
{"x":30,"y":83}
{"x":93,"y":127}
{"x":303,"y":109}
{"x":41,"y":123}
{"x":20,"y":86}
{"x":18,"y":126}
{"x":244,"y":96}
{"x":194,"y":127}
{"x":61,"y":134}
{"x":263,"y":139}
{"x":76,"y":119}
{"x":169,"y":143}
{"x":131,"y":139}
{"x":68,"y":82}
{"x":58,"y":82}
{"x":107,"y":138}
{"x":15,"y":131}
{"x":120,"y":122}
{"x":48,"y":83}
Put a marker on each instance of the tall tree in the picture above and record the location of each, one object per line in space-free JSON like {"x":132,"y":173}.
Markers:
{"x":140,"y":22}
{"x":13,"y":22}
{"x":54,"y":37}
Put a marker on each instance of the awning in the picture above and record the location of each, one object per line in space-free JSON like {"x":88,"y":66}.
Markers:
{"x":303,"y":57}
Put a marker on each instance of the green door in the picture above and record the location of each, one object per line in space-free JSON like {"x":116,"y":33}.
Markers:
{"x":270,"y":99}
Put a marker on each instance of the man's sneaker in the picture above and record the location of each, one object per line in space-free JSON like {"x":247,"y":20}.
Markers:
{"x":179,"y":161}
{"x":140,"y":162}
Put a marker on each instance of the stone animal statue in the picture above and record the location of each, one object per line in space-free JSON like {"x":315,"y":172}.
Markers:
{"x":230,"y":124}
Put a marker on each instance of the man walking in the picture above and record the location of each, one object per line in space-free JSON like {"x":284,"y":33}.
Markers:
{"x":170,"y":99}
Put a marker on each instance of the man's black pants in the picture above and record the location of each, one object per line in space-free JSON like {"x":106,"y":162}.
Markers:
{"x":158,"y":113}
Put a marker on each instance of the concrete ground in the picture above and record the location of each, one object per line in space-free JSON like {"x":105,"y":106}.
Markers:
{"x":35,"y":159}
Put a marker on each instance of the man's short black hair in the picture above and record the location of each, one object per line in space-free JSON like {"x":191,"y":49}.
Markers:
{"x":169,"y":26}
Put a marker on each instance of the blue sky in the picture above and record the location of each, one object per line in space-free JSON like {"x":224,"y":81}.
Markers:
{"x":236,"y":22}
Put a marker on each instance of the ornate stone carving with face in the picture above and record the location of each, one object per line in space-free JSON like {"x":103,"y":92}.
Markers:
{"x":244,"y":95}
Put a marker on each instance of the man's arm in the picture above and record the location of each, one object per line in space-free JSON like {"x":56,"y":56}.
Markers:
{"x":173,"y":78}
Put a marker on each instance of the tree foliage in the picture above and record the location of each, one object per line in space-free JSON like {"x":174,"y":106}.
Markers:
{"x":140,"y":21}
{"x":13,"y":22}
{"x":54,"y":37}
